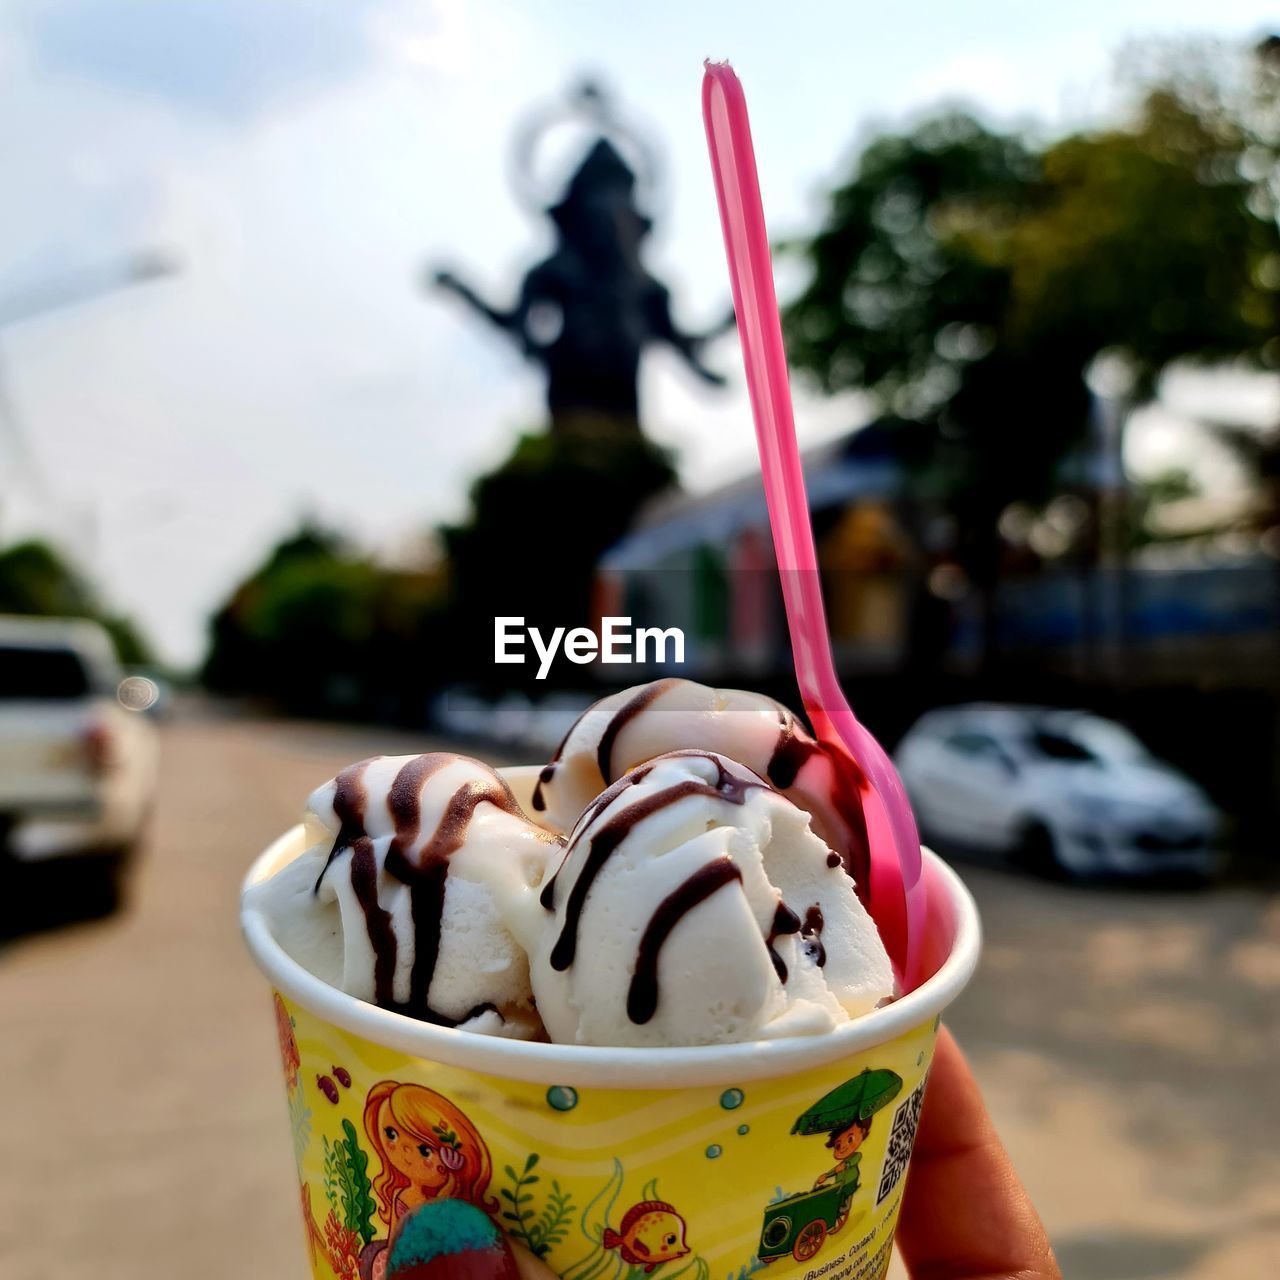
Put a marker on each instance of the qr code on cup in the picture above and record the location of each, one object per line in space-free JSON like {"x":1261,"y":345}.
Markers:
{"x":906,"y":1120}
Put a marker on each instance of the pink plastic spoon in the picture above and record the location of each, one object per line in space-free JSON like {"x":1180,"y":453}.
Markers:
{"x":896,"y":896}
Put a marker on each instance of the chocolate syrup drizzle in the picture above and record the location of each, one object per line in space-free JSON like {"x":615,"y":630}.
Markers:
{"x":795,"y":747}
{"x":727,"y":786}
{"x":425,"y":871}
{"x":811,"y":932}
{"x":643,"y":697}
{"x":794,"y":750}
{"x":349,"y":800}
{"x":642,"y":997}
{"x":785,"y":921}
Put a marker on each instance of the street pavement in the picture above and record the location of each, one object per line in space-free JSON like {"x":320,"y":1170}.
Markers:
{"x":1127,"y":1041}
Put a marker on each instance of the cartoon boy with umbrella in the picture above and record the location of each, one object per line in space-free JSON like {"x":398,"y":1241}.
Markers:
{"x":799,"y":1224}
{"x":844,"y":1115}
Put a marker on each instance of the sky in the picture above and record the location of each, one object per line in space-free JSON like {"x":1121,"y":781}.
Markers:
{"x":301,"y":165}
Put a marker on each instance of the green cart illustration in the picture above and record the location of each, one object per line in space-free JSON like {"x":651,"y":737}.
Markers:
{"x":800,"y":1223}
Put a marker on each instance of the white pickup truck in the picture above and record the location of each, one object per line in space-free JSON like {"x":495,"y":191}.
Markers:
{"x":77,"y":766}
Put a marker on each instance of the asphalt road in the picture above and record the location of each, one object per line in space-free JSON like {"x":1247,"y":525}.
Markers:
{"x":1128,"y":1042}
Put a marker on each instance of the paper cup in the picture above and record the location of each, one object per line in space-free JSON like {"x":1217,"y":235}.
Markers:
{"x":711,"y":1163}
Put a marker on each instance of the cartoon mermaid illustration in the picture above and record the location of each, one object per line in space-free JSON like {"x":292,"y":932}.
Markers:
{"x":427,"y":1148}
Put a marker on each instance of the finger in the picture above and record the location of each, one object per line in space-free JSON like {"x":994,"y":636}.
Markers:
{"x":965,"y":1215}
{"x":531,"y":1268}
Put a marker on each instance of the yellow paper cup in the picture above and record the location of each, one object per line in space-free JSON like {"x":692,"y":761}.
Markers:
{"x":786,"y":1157}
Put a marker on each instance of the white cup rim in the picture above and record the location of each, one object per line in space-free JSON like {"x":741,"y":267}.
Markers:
{"x":596,"y":1067}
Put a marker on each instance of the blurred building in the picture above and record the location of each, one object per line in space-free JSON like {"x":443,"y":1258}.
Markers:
{"x":1215,"y":620}
{"x":1181,"y":634}
{"x":705,"y":563}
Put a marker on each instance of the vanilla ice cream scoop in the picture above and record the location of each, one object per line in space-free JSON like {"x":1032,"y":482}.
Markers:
{"x":694,"y":905}
{"x":412,"y":864}
{"x":634,"y":725}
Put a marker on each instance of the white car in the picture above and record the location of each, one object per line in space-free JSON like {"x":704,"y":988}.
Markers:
{"x":77,"y":760}
{"x":1065,"y":789}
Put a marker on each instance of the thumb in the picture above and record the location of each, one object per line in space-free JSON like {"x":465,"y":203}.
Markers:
{"x":455,"y":1240}
{"x":532,"y":1268}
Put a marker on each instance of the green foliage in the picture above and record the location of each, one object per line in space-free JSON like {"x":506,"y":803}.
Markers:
{"x":539,"y":525}
{"x":332,"y":1174}
{"x":553,"y":1223}
{"x":888,"y":272}
{"x":319,"y":628}
{"x":346,"y":1182}
{"x":1149,"y":240}
{"x":952,"y":247}
{"x":131,"y":645}
{"x":518,"y":1198}
{"x":911,"y":296}
{"x":300,"y":1125}
{"x":968,"y":278}
{"x":36,"y":579}
{"x":539,"y":1232}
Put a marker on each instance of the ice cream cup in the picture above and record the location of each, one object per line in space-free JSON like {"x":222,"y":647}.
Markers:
{"x":787,"y":1156}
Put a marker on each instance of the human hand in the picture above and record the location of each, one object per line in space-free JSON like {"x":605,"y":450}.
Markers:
{"x":965,"y":1214}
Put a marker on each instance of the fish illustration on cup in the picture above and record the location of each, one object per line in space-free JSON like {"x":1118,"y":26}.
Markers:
{"x":650,"y":1233}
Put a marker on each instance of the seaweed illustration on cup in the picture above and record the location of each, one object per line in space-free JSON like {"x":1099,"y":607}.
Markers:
{"x":347,"y":1185}
{"x":299,"y":1125}
{"x":799,"y":1224}
{"x":538,"y":1232}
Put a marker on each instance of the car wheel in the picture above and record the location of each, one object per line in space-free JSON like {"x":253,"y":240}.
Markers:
{"x":97,"y":883}
{"x":1038,"y":852}
{"x":10,"y":886}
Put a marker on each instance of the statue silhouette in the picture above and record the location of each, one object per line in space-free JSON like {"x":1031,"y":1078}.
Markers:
{"x":587,"y":312}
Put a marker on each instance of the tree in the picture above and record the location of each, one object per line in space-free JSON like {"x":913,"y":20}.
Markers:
{"x":1151,"y":241}
{"x":970,"y":279}
{"x":538,"y":527}
{"x":911,"y":296}
{"x":35,"y":579}
{"x":320,"y":628}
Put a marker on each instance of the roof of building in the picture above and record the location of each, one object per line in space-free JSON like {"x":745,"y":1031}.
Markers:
{"x":859,"y":464}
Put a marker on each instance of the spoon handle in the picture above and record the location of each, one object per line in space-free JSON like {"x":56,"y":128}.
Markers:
{"x":896,"y":890}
